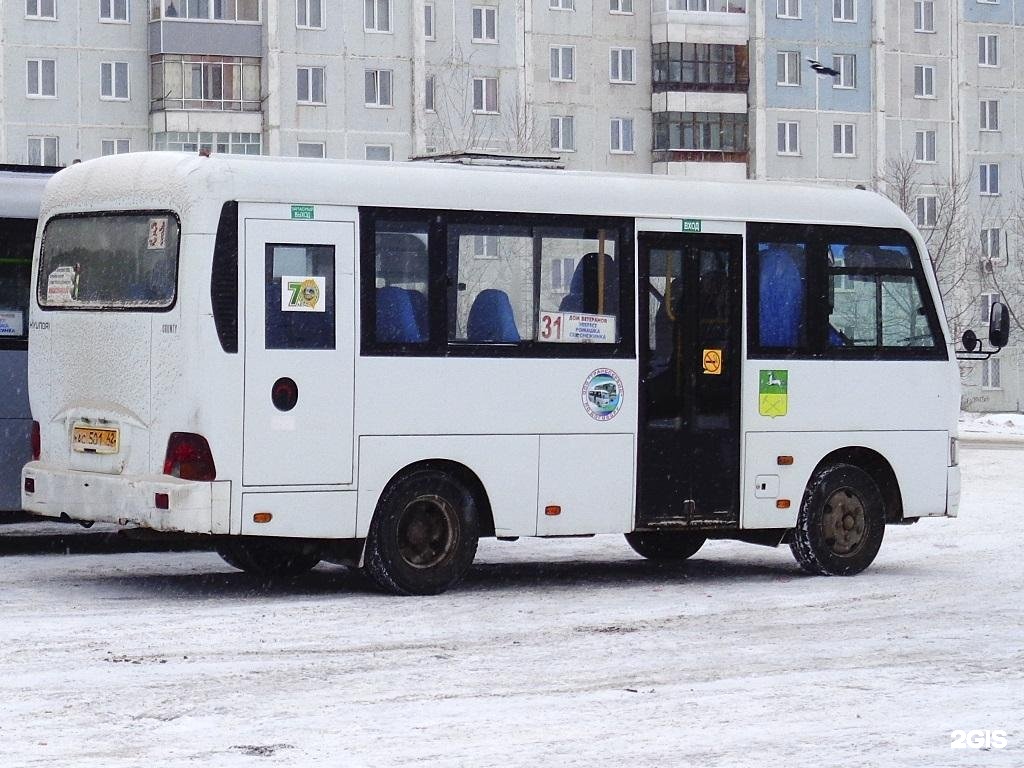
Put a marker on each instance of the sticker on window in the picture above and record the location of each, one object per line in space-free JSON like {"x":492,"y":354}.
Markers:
{"x":11,"y":323}
{"x":576,"y":328}
{"x":303,"y":294}
{"x":157,"y":239}
{"x":62,"y":285}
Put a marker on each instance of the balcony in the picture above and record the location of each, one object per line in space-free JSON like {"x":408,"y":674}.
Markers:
{"x":700,"y":67}
{"x":217,"y":27}
{"x":675,"y":20}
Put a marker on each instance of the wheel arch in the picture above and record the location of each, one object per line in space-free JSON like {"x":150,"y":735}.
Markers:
{"x":877,"y":466}
{"x":460,"y":472}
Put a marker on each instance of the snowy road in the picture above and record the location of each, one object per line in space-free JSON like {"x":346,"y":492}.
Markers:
{"x":552,"y":653}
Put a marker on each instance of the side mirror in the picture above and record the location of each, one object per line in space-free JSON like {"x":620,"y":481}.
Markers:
{"x":998,"y":325}
{"x":969,"y":340}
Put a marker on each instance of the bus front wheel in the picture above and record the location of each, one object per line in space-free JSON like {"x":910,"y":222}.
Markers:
{"x":269,"y":558}
{"x":665,"y":545}
{"x":423,"y":536}
{"x":841,"y":522}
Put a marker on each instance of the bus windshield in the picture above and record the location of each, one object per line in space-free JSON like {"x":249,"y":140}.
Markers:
{"x":121,"y":261}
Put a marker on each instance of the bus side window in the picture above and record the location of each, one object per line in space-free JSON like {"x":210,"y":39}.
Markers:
{"x":299,"y":296}
{"x":782,"y":277}
{"x":401,"y":277}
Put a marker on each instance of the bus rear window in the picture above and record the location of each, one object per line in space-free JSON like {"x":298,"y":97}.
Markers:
{"x":109,"y":261}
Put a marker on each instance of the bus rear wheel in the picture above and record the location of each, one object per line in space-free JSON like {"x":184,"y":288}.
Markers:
{"x":665,"y":545}
{"x":841,"y":522}
{"x":269,"y":559}
{"x":423,"y":536}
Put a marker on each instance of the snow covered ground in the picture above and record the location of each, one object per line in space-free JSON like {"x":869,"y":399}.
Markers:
{"x":552,"y":653}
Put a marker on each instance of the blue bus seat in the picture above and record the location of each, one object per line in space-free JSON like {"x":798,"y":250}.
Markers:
{"x":583,"y":289}
{"x":491,"y":318}
{"x":781,"y":299}
{"x":396,"y":317}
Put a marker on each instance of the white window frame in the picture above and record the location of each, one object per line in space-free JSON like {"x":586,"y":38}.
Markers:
{"x":114,"y":67}
{"x":841,"y":7}
{"x":927,"y":211}
{"x":372,"y":22}
{"x":380,"y":93}
{"x":485,"y":19}
{"x":989,"y":117}
{"x":112,"y":9}
{"x":368,"y":147}
{"x":844,"y":140}
{"x":617,"y":56}
{"x":429,"y":22}
{"x":308,"y":99}
{"x":788,"y":9}
{"x":559,"y":57}
{"x":429,"y":93}
{"x":559,"y":132}
{"x":40,"y":67}
{"x":990,"y":378}
{"x":924,"y":146}
{"x":300,"y":144}
{"x":991,"y":243}
{"x":621,"y":7}
{"x":846,"y":65}
{"x":787,"y":138}
{"x":115,"y":145}
{"x":986,"y":300}
{"x":38,"y":14}
{"x":988,"y":179}
{"x":561,"y":5}
{"x":924,"y":22}
{"x":788,"y":66}
{"x":927,"y":81}
{"x":485,"y":95}
{"x":306,"y":5}
{"x":618,"y":135}
{"x":988,"y":51}
{"x":43,"y":141}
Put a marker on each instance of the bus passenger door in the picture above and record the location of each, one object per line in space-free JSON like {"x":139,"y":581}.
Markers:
{"x":298,"y":352}
{"x":690,"y":364}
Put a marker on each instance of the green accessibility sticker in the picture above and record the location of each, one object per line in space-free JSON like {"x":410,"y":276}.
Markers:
{"x":773,"y":393}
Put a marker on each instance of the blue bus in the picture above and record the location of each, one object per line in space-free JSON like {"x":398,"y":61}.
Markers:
{"x":21,"y":187}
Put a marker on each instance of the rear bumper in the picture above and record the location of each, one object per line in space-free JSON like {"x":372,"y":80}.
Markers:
{"x":194,"y":507}
{"x":952,"y":491}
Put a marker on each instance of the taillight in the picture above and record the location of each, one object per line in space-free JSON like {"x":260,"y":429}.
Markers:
{"x":188,"y":457}
{"x":36,"y":441}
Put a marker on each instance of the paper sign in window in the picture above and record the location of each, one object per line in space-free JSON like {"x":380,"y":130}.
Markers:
{"x":576,"y":328}
{"x":303,"y":293}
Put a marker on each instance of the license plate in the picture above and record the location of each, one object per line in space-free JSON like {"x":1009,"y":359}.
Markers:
{"x":88,"y":439}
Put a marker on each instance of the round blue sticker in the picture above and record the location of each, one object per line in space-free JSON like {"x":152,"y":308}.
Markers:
{"x":602,"y":394}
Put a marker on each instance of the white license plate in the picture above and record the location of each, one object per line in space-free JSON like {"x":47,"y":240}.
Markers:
{"x":86,"y":438}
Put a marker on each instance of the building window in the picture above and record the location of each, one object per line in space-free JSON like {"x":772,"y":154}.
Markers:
{"x":988,"y":175}
{"x":788,"y":63}
{"x":563,"y":135}
{"x":990,"y":240}
{"x":712,"y":131}
{"x":41,"y":78}
{"x":309,"y":85}
{"x":223,"y":83}
{"x":40,"y":9}
{"x":485,"y":95}
{"x":563,"y":60}
{"x":428,"y":21}
{"x":990,"y":115}
{"x":700,"y":66}
{"x":990,"y":373}
{"x":218,"y":10}
{"x":220,"y":142}
{"x":485,"y":24}
{"x":377,"y":15}
{"x":114,"y":10}
{"x":924,"y":146}
{"x":788,"y":9}
{"x":428,"y":93}
{"x":312,"y":149}
{"x":621,"y":65}
{"x":843,"y":139}
{"x":924,"y":15}
{"x":114,"y":80}
{"x":988,"y":50}
{"x":846,"y":65}
{"x":788,"y":138}
{"x":622,"y":136}
{"x":927,"y":207}
{"x":377,"y":88}
{"x":620,"y":6}
{"x":985,"y":302}
{"x":844,"y":10}
{"x":42,"y":150}
{"x":309,"y":14}
{"x":924,"y":82}
{"x":115,"y":146}
{"x":378,"y":152}
{"x":562,"y":5}
{"x":693,"y":5}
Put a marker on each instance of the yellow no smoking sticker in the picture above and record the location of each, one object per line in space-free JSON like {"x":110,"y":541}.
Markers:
{"x":713,"y":361}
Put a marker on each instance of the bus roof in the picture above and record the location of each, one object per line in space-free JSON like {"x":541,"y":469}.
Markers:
{"x":21,"y":191}
{"x":195,"y":187}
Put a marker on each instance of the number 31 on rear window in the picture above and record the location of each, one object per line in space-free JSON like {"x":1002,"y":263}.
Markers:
{"x":157,"y":239}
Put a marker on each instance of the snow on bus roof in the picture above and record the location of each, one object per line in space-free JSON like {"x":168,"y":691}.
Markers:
{"x":196,"y":186}
{"x":21,"y":192}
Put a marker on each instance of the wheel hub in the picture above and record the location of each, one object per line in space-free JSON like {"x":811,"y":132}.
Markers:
{"x":844,"y":522}
{"x":426,"y":531}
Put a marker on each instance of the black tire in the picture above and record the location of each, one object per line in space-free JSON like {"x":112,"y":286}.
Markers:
{"x":665,"y":546}
{"x":423,"y":535}
{"x":269,"y":558}
{"x":841,"y":522}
